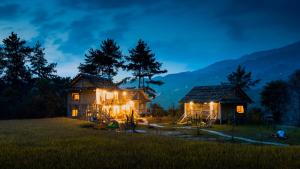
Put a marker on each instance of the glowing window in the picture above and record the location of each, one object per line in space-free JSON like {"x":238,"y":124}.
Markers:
{"x":116,"y":95}
{"x":75,"y":96}
{"x":240,"y":109}
{"x":74,"y":112}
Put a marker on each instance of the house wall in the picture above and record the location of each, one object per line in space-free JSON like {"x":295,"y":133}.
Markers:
{"x":228,"y":110}
{"x":86,"y":101}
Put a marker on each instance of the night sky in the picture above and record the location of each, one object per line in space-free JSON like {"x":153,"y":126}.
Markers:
{"x":184,"y":34}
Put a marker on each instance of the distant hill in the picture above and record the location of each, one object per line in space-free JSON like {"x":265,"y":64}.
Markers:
{"x":266,"y":65}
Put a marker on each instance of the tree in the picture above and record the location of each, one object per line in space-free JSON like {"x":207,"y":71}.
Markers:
{"x":143,"y":64}
{"x":294,"y":81}
{"x":15,"y":52}
{"x":157,"y":110}
{"x":105,"y":61}
{"x":89,"y":66}
{"x":39,"y":64}
{"x":2,"y":62}
{"x":275,"y":98}
{"x":240,"y":79}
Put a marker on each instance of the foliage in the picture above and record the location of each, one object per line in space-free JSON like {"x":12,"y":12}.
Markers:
{"x":143,"y":64}
{"x":157,"y":110}
{"x":104,"y":61}
{"x":15,"y":52}
{"x":176,"y":111}
{"x":22,"y":96}
{"x":240,"y":79}
{"x":294,"y":82}
{"x":255,"y":116}
{"x":275,"y":98}
{"x":39,"y":64}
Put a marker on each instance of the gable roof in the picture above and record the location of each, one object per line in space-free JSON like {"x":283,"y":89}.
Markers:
{"x":95,"y":81}
{"x":219,"y":93}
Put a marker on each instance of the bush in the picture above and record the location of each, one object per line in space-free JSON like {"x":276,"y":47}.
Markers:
{"x":255,"y":116}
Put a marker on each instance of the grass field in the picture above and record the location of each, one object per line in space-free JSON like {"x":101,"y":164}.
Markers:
{"x":262,"y":132}
{"x":63,"y":143}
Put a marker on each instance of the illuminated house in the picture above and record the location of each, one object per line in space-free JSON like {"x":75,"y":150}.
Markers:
{"x":215,"y":103}
{"x":91,"y":96}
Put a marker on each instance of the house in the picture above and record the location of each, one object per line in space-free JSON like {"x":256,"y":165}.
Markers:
{"x":218,"y":103}
{"x":91,"y":96}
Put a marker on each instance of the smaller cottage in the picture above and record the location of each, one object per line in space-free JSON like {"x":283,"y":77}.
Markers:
{"x":218,"y":103}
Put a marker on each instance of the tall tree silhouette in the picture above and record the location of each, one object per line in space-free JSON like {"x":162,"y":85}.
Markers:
{"x":294,"y":81}
{"x":275,"y":98}
{"x":2,"y":63}
{"x":15,"y":52}
{"x":240,"y":79}
{"x":39,"y":64}
{"x":143,"y":64}
{"x":104,"y":61}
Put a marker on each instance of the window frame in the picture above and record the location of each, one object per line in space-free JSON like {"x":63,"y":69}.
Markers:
{"x":74,"y":98}
{"x":74,"y":112}
{"x":240,"y":109}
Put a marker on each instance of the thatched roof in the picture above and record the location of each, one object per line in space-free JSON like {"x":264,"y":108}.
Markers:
{"x":219,"y":93}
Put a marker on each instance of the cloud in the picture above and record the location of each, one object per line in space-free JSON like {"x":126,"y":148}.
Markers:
{"x":10,"y":11}
{"x":242,"y":17}
{"x":103,"y":4}
{"x":82,"y":35}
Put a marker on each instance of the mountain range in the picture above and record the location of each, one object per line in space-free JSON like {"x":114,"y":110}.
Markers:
{"x":265,"y":65}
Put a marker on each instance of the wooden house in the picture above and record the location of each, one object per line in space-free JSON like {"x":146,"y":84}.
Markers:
{"x":215,"y":103}
{"x":91,"y":97}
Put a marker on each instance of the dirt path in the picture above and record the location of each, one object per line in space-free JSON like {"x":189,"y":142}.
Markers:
{"x":243,"y":138}
{"x":248,"y":140}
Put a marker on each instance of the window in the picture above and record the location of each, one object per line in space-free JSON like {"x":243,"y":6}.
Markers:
{"x":75,"y":96}
{"x":74,"y":112}
{"x":240,"y":109}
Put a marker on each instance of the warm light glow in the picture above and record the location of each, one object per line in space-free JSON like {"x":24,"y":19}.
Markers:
{"x":115,"y":95}
{"x":240,"y":109}
{"x":110,"y":103}
{"x":191,"y":103}
{"x":75,"y":96}
{"x":74,"y":112}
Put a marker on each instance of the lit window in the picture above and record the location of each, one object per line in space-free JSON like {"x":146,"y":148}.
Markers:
{"x":109,"y":95}
{"x":75,"y":96}
{"x":115,"y":95}
{"x":240,"y":109}
{"x":74,"y":112}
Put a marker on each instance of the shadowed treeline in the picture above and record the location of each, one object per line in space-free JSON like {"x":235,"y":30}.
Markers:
{"x":29,"y":87}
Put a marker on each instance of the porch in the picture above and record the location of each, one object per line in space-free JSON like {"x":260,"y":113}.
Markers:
{"x":203,"y":111}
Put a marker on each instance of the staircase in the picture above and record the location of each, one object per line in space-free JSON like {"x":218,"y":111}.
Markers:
{"x":208,"y":119}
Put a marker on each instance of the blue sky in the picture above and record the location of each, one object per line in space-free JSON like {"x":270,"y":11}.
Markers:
{"x":184,"y":35}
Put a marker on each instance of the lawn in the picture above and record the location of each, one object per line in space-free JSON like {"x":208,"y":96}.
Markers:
{"x":262,"y":132}
{"x":64,"y":143}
